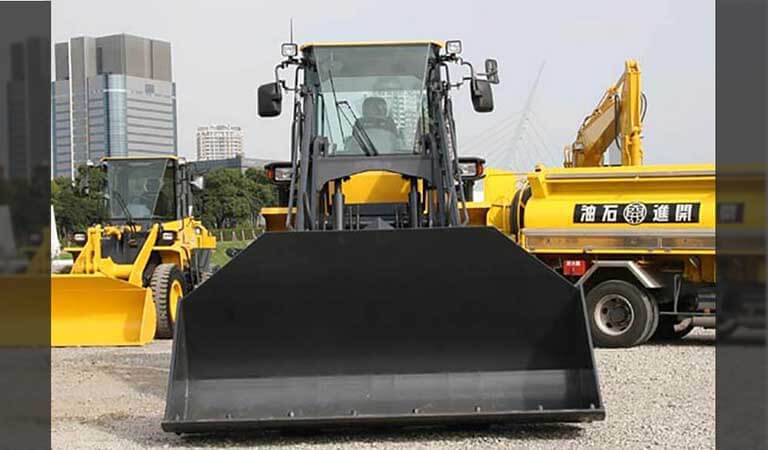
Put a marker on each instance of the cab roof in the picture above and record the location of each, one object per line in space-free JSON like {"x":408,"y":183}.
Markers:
{"x":439,"y":44}
{"x":121,"y":158}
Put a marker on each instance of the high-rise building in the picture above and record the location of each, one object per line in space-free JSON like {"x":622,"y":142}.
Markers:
{"x":219,"y":142}
{"x":112,"y":96}
{"x":404,"y":108}
{"x":23,"y":89}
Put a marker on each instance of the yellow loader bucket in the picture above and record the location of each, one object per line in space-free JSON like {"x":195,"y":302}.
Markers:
{"x":24,"y":310}
{"x":94,"y":310}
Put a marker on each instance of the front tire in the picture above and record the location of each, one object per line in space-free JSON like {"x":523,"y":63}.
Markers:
{"x":168,"y":288}
{"x":620,"y":314}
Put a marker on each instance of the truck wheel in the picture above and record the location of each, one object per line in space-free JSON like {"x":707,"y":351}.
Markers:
{"x":620,"y":314}
{"x":653,"y":323}
{"x":671,"y":329}
{"x":168,"y":287}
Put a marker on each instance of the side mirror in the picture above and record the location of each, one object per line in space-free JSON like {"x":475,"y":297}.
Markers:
{"x":492,"y":71}
{"x":270,"y":99}
{"x":482,"y":95}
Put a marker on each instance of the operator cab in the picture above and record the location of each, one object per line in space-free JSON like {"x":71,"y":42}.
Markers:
{"x":145,"y":190}
{"x":374,"y":120}
{"x":371,"y":97}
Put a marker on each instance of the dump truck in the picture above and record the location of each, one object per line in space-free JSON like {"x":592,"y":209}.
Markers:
{"x":129,"y":275}
{"x":369,"y":300}
{"x":640,"y":239}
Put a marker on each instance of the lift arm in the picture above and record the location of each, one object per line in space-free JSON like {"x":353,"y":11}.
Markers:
{"x":618,"y":117}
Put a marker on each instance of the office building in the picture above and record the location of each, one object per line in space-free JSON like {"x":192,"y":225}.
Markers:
{"x":219,"y":142}
{"x":239,"y":162}
{"x":112,"y":96}
{"x":403,"y":108}
{"x":24,"y":148}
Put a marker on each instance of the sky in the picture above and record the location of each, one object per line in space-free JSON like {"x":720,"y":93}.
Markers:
{"x":223,"y":50}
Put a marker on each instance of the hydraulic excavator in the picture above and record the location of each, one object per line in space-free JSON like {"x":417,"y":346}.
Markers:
{"x":617,"y":118}
{"x":370,"y":300}
{"x":128,"y":275}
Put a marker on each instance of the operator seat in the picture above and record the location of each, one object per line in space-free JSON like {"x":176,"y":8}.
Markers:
{"x":375,"y":115}
{"x":379,"y":126}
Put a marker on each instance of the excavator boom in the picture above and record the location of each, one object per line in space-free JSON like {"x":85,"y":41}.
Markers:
{"x":617,"y":118}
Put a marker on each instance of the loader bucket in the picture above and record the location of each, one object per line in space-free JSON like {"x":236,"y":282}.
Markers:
{"x":24,"y":310}
{"x":94,"y":310}
{"x":381,"y":327}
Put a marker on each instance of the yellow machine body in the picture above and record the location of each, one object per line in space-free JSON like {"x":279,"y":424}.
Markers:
{"x":618,"y":117}
{"x":95,"y":309}
{"x":105,"y":303}
{"x":360,"y":189}
{"x":545,"y":224}
{"x":24,"y":309}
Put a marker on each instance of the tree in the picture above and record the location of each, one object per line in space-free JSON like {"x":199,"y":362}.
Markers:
{"x":224,"y":201}
{"x":263,"y":192}
{"x":79,"y":204}
{"x":232,"y":199}
{"x":27,"y":200}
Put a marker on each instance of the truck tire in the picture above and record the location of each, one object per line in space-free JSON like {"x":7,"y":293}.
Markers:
{"x":168,"y":288}
{"x":620,"y":314}
{"x":671,"y":329}
{"x":654,"y":322}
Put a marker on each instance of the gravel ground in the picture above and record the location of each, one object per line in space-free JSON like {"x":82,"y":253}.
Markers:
{"x":656,"y":396}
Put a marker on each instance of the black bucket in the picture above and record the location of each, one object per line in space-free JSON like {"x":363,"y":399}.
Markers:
{"x":349,"y":328}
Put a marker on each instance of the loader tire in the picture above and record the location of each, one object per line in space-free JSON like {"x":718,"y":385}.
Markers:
{"x":168,"y":287}
{"x":620,"y":314}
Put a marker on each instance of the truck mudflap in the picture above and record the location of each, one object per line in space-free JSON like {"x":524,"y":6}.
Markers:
{"x":381,"y":327}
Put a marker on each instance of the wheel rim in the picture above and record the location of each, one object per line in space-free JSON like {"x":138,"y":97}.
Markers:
{"x":614,"y":314}
{"x":175,"y":295}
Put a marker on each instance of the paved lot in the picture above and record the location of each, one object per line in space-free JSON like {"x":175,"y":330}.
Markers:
{"x":656,"y":396}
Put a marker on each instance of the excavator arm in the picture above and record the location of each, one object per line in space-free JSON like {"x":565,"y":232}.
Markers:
{"x":618,"y":118}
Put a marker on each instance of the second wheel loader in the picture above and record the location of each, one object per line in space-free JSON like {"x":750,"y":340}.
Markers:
{"x":128,"y":275}
{"x":383,"y":307}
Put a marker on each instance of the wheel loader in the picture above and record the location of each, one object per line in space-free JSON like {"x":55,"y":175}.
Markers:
{"x":129,"y":275}
{"x":370,"y":301}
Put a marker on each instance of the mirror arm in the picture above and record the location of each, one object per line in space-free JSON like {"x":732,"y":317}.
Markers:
{"x":460,"y":61}
{"x":489,"y":74}
{"x":284,"y":65}
{"x":471,"y":69}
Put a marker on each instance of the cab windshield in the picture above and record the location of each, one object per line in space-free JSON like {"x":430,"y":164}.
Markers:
{"x":372,"y":98}
{"x":141,"y":189}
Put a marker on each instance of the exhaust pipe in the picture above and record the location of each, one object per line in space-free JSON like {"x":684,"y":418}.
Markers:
{"x":704,"y":321}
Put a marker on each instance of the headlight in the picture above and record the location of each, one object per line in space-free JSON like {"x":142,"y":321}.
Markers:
{"x":468,"y":169}
{"x":453,"y":47}
{"x":289,"y":50}
{"x":80,"y":237}
{"x":282,"y":174}
{"x":168,"y":237}
{"x":279,"y":172}
{"x":472,"y":168}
